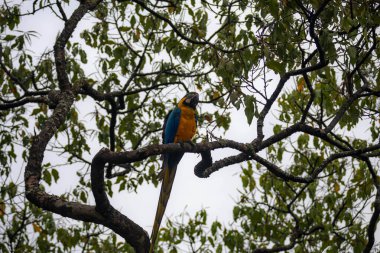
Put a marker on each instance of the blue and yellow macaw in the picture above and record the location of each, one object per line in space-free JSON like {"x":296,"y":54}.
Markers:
{"x":179,"y":126}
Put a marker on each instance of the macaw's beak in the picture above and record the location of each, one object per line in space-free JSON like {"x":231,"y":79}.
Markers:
{"x":192,"y":99}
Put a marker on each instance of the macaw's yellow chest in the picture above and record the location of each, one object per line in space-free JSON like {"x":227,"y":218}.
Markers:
{"x":187,"y":125}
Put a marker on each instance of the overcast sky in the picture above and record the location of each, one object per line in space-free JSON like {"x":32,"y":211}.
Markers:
{"x":217,"y":194}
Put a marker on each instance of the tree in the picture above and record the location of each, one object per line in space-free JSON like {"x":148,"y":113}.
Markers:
{"x":309,"y":69}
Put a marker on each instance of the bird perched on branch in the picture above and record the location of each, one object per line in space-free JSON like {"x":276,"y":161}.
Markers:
{"x":179,"y":126}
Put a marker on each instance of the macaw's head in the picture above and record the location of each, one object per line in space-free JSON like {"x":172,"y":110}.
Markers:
{"x":191,"y":100}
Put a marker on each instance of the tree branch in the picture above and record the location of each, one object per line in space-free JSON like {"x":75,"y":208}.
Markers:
{"x":340,"y":113}
{"x":130,"y":231}
{"x":7,"y":106}
{"x":63,"y":38}
{"x":376,"y":213}
{"x":304,"y":70}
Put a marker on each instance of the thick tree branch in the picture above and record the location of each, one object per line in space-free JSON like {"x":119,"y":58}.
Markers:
{"x":156,"y":149}
{"x":247,"y":150}
{"x":231,"y":160}
{"x":114,"y":112}
{"x":132,"y":233}
{"x":63,"y":38}
{"x":278,"y":172}
{"x":248,"y":154}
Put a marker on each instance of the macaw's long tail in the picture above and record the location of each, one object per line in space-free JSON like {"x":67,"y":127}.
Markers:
{"x":169,"y":167}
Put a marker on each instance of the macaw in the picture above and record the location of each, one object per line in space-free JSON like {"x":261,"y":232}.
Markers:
{"x":179,"y":126}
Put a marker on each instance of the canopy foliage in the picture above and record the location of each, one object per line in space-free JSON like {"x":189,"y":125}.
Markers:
{"x":305,"y":74}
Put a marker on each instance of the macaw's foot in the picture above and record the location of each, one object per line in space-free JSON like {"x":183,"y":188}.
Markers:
{"x":182,"y":144}
{"x":191,"y":143}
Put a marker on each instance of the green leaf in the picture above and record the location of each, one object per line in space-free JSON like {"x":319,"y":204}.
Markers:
{"x":83,"y":56}
{"x":276,"y":129}
{"x":9,"y":37}
{"x":12,"y":190}
{"x":122,"y":186}
{"x":236,"y":212}
{"x":276,"y":66}
{"x":352,"y":54}
{"x":303,"y":140}
{"x":249,"y":21}
{"x":83,"y":196}
{"x":249,"y":110}
{"x":47,"y":177}
{"x":133,"y":21}
{"x":214,"y":227}
{"x":55,"y":175}
{"x":244,"y":180}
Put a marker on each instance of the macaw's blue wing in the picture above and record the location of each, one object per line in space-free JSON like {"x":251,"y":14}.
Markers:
{"x":170,"y":130}
{"x":171,"y":126}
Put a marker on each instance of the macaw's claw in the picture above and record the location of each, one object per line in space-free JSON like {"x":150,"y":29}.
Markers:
{"x":182,"y":143}
{"x":191,"y":143}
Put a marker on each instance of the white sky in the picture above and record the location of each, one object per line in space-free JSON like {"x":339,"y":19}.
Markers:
{"x":217,"y":193}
